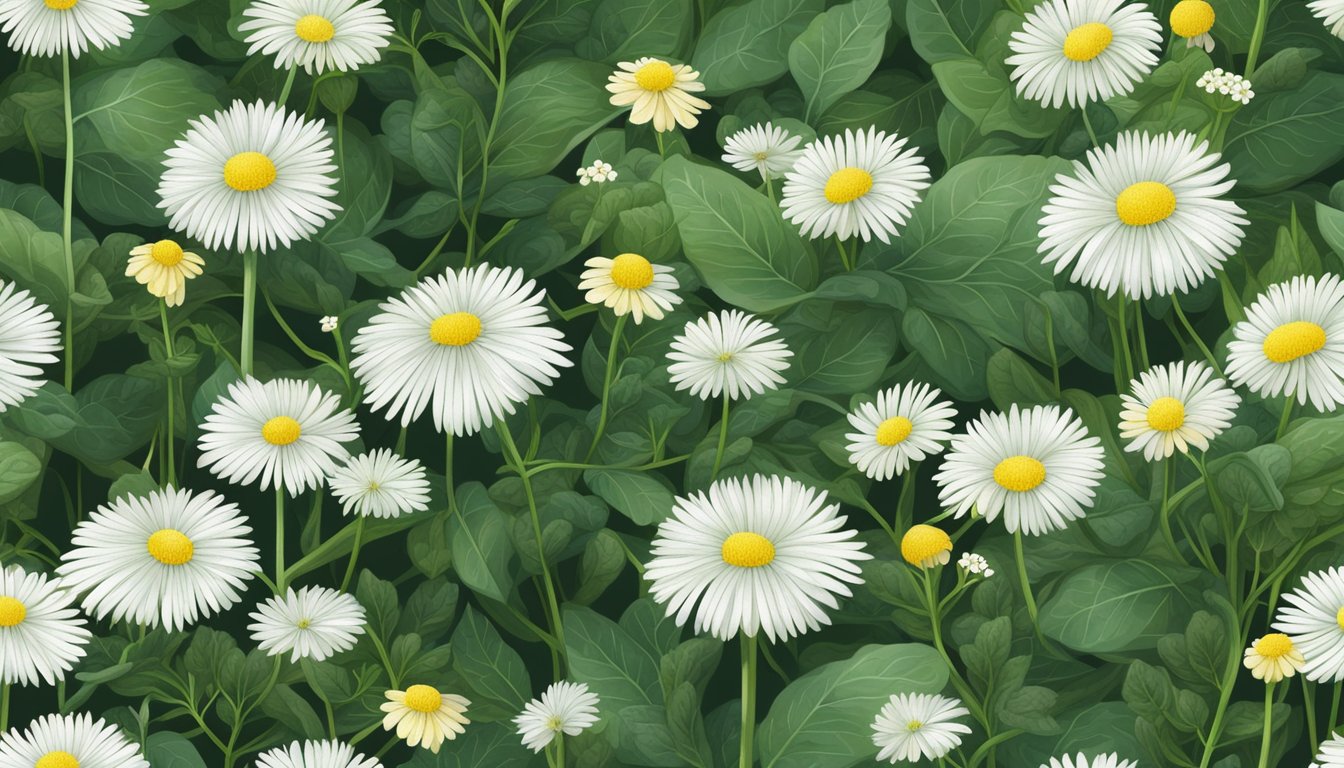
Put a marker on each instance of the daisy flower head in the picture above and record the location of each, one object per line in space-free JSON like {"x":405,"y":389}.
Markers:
{"x":1077,"y":51}
{"x":164,"y":268}
{"x":69,"y":741}
{"x":1330,"y":753}
{"x":42,"y":635}
{"x":757,"y":553}
{"x":864,"y":183}
{"x":1145,"y":216}
{"x":30,"y":337}
{"x":565,"y":707}
{"x":425,"y":717}
{"x":1172,"y":407}
{"x":1273,"y":657}
{"x":1331,"y":12}
{"x":926,"y":546}
{"x":313,"y":623}
{"x":251,"y":177}
{"x":764,"y":148}
{"x":1313,"y":619}
{"x":1096,"y":761}
{"x":918,"y":726}
{"x":1192,"y":20}
{"x":658,"y":92}
{"x":728,"y":352}
{"x":975,"y":565}
{"x":469,"y":344}
{"x":54,"y":27}
{"x":907,"y":423}
{"x":169,"y":558}
{"x":380,"y":484}
{"x":631,"y":285}
{"x":1038,"y":467}
{"x":288,"y":432}
{"x":1292,"y":342}
{"x":318,"y":35}
{"x":315,"y":754}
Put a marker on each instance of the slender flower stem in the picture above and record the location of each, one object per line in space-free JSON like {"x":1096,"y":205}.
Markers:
{"x":1257,"y":37}
{"x":844,"y":255}
{"x":607,"y":376}
{"x":1285,"y":418}
{"x":1268,"y":726}
{"x":1087,"y":124}
{"x":902,"y":520}
{"x":723,"y":439}
{"x":172,"y":408}
{"x":746,"y":751}
{"x":1190,"y":329}
{"x":4,"y":707}
{"x":936,"y":623}
{"x":513,"y":456}
{"x":449,"y":486}
{"x":354,"y":554}
{"x":289,"y":85}
{"x":560,"y":749}
{"x":249,"y":311}
{"x":1309,"y":710}
{"x":1123,"y":322}
{"x":1334,"y":707}
{"x":1166,"y":511}
{"x":280,"y":541}
{"x":1030,"y":597}
{"x":67,"y":213}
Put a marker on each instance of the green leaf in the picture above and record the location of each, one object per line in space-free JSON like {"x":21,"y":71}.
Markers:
{"x":1283,"y":138}
{"x":622,"y":671}
{"x":624,"y":30}
{"x":444,"y":136}
{"x":838,"y":349}
{"x":637,"y":495}
{"x":747,"y":45}
{"x":1117,"y":606}
{"x":484,"y":745}
{"x":493,"y":670}
{"x":942,"y":30}
{"x":164,"y":749}
{"x":18,"y":469}
{"x":138,"y":112}
{"x":838,"y":51}
{"x":117,"y":190}
{"x":481,"y":545}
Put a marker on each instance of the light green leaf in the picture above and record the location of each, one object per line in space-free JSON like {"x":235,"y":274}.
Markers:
{"x":637,"y":495}
{"x":481,"y":546}
{"x":747,"y":45}
{"x":1118,"y":606}
{"x":493,"y":670}
{"x":838,"y":51}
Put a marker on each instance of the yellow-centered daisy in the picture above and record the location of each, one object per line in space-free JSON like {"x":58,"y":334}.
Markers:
{"x":1172,"y":407}
{"x":630,"y":285}
{"x":424,"y":716}
{"x":1273,"y":657}
{"x":1292,"y":343}
{"x":1192,"y":20}
{"x":925,"y":546}
{"x":164,"y":268}
{"x":658,"y":92}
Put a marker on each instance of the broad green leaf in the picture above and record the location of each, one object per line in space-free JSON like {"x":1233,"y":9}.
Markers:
{"x":138,"y":112}
{"x":747,"y":45}
{"x":483,"y":745}
{"x":1283,"y":138}
{"x":637,"y":495}
{"x":493,"y":670}
{"x":18,"y":469}
{"x":625,"y":30}
{"x":941,"y":30}
{"x":165,"y":749}
{"x":481,"y":545}
{"x":839,"y":349}
{"x":838,"y":51}
{"x":1118,"y":606}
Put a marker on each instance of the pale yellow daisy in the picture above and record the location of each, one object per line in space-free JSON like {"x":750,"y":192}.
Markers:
{"x":925,"y":546}
{"x":1273,"y":657}
{"x":659,"y":92}
{"x":164,"y":268}
{"x":424,"y":717}
{"x":631,"y":285}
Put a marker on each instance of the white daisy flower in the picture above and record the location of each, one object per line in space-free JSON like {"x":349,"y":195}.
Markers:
{"x":918,"y":726}
{"x":1292,"y":342}
{"x":1192,"y":20}
{"x":315,"y":754}
{"x":861,"y":184}
{"x":54,"y":27}
{"x":42,"y":635}
{"x":470,"y":344}
{"x":169,"y":558}
{"x":905,"y":425}
{"x":564,"y":707}
{"x":729,"y":352}
{"x":1331,"y":12}
{"x":424,"y":716}
{"x":69,"y":741}
{"x":1173,"y":407}
{"x":318,"y":35}
{"x":1273,"y":657}
{"x":1145,"y":216}
{"x":1037,"y":466}
{"x":287,"y":432}
{"x":631,"y":285}
{"x":1313,"y":619}
{"x":29,"y":338}
{"x":975,"y":565}
{"x":1097,"y":761}
{"x":759,"y":553}
{"x":313,"y":623}
{"x":766,"y":149}
{"x":164,"y":268}
{"x":252,"y":176}
{"x":380,"y":484}
{"x":328,"y":323}
{"x":1331,"y":752}
{"x":1078,"y":51}
{"x":926,"y":546}
{"x":659,"y":92}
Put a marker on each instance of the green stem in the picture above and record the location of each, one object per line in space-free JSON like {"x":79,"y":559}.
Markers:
{"x":723,"y":439}
{"x":1334,"y":707}
{"x":280,"y":541}
{"x":1285,"y":418}
{"x":1190,"y":329}
{"x":1309,"y":710}
{"x":904,"y":521}
{"x":1257,"y":37}
{"x":607,"y":376}
{"x":1030,"y":598}
{"x":936,"y":623}
{"x":172,"y":408}
{"x":249,"y":311}
{"x":1087,"y":124}
{"x":1123,"y":322}
{"x":1140,"y":337}
{"x":560,"y":749}
{"x":844,"y":255}
{"x":4,"y":707}
{"x":658,"y":136}
{"x":769,"y":188}
{"x":289,"y":85}
{"x":514,"y":457}
{"x":354,"y":554}
{"x":1166,"y":511}
{"x":67,"y":212}
{"x":1268,"y":726}
{"x":746,"y":750}
{"x":449,"y":486}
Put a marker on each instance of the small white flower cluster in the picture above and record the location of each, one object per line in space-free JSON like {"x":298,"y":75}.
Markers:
{"x":1228,"y":84}
{"x":975,"y":565}
{"x":329,"y":323}
{"x":597,"y":172}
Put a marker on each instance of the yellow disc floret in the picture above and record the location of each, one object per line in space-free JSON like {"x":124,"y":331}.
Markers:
{"x":1166,"y":414}
{"x":314,"y":29}
{"x":1339,"y":618}
{"x":1191,"y":18}
{"x":166,"y":252}
{"x":748,"y":550}
{"x":631,"y":271}
{"x":281,"y":430}
{"x":1273,"y":646}
{"x":655,"y":76}
{"x":1087,"y":41}
{"x":893,"y":431}
{"x":12,"y":611}
{"x":170,"y":547}
{"x":456,"y":329}
{"x":847,"y":185}
{"x":424,"y":698}
{"x":1144,"y":203}
{"x":249,"y":172}
{"x":1292,"y":340}
{"x":61,"y":5}
{"x":925,"y":546}
{"x":57,"y":759}
{"x":1019,"y":473}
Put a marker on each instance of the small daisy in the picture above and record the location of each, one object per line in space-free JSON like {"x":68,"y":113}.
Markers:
{"x":759,"y":553}
{"x":313,"y":623}
{"x":29,"y":337}
{"x":250,"y":177}
{"x":925,"y":546}
{"x":1146,"y":216}
{"x":53,"y":27}
{"x":1192,"y":19}
{"x":1292,"y":342}
{"x":318,"y":35}
{"x":659,"y":92}
{"x":468,"y":344}
{"x":631,"y":285}
{"x":168,"y":558}
{"x":329,"y":323}
{"x":1173,"y":407}
{"x":380,"y":484}
{"x":861,"y":184}
{"x":1098,"y":761}
{"x":42,"y":635}
{"x":69,"y":741}
{"x":1083,"y":50}
{"x":1037,"y":466}
{"x":767,"y":149}
{"x":918,"y":726}
{"x":975,"y":565}
{"x":906,"y":424}
{"x":287,"y":432}
{"x":1273,"y":657}
{"x":425,"y":717}
{"x":565,"y":707}
{"x":1331,"y":12}
{"x":730,"y":352}
{"x":315,"y":754}
{"x":164,"y":268}
{"x":1314,"y":622}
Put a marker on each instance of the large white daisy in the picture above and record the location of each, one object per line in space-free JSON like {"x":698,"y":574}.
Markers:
{"x":313,"y":623}
{"x":1145,"y":216}
{"x":918,"y":726}
{"x":53,"y":27}
{"x":168,"y":558}
{"x":1096,"y":761}
{"x":658,"y":92}
{"x":1038,"y":467}
{"x":729,"y":352}
{"x":42,"y":635}
{"x":318,"y":35}
{"x":1078,"y":51}
{"x":1172,"y":407}
{"x":1292,"y":342}
{"x":315,"y":754}
{"x":755,"y":554}
{"x":380,"y":484}
{"x":1313,"y":618}
{"x":251,"y":177}
{"x":863,"y":184}
{"x":907,"y":423}
{"x":630,"y":285}
{"x":69,"y":741}
{"x":468,"y":344}
{"x":564,"y":707}
{"x":30,"y":337}
{"x":767,"y":149}
{"x":1331,"y":752}
{"x":1331,"y":12}
{"x":288,"y":432}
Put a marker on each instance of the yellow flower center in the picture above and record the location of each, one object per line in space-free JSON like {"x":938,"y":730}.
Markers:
{"x":12,"y":612}
{"x":914,"y":725}
{"x":1339,"y":618}
{"x":655,"y":76}
{"x":923,"y":543}
{"x":553,"y":723}
{"x":631,"y":271}
{"x":61,"y":5}
{"x":57,"y":759}
{"x":748,"y":550}
{"x":170,"y":547}
{"x":1273,"y":646}
{"x":893,"y":431}
{"x":281,"y":430}
{"x":304,"y":623}
{"x":1087,"y":41}
{"x":1166,"y":414}
{"x":314,"y":29}
{"x":1144,"y":203}
{"x":249,"y":171}
{"x":423,"y":698}
{"x":1292,"y":340}
{"x":725,"y":357}
{"x":455,"y":330}
{"x":166,"y":252}
{"x":1191,"y":18}
{"x":1019,"y":473}
{"x":847,"y":185}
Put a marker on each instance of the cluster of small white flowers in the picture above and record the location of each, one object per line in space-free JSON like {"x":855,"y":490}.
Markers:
{"x":1228,"y":84}
{"x":329,"y":323}
{"x":975,"y":564}
{"x":597,"y":172}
